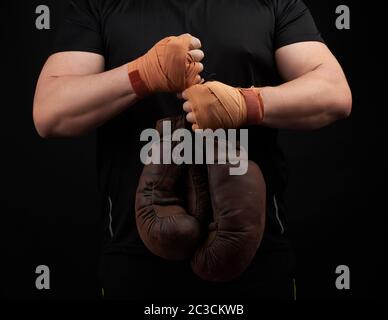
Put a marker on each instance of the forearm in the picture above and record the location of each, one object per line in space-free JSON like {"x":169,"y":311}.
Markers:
{"x":73,"y":105}
{"x":311,"y":101}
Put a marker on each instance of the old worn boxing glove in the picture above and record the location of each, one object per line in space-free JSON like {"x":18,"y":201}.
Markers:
{"x":162,"y":220}
{"x":238,"y":204}
{"x":202,"y":213}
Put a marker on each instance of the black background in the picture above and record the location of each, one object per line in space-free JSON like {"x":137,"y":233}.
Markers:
{"x":48,"y":199}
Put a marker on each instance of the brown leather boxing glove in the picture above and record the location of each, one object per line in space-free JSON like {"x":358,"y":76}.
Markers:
{"x":238,"y":204}
{"x":162,"y":220}
{"x":202,"y":213}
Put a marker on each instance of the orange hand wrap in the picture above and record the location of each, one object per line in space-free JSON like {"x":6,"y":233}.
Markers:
{"x":166,"y":67}
{"x":216,"y":105}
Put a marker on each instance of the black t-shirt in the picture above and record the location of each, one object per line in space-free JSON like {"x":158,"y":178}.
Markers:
{"x":239,"y":38}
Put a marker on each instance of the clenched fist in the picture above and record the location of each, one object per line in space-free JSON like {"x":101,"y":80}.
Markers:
{"x":171,"y":65}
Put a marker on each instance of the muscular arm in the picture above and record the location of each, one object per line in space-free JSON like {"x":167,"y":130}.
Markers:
{"x":316,"y":92}
{"x":74,"y":95}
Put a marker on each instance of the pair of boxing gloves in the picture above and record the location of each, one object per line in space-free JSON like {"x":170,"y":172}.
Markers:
{"x":201,"y":213}
{"x":169,"y":67}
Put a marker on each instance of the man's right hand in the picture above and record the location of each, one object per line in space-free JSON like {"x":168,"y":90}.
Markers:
{"x":171,"y":65}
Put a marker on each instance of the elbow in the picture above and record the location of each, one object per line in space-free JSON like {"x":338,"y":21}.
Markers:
{"x":48,"y":118}
{"x":342,"y":104}
{"x":43,"y":125}
{"x":48,"y":124}
{"x":53,"y":125}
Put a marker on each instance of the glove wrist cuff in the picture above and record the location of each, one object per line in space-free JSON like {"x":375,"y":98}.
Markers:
{"x":254,"y":105}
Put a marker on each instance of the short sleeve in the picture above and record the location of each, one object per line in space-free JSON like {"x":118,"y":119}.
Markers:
{"x":294,"y":23}
{"x":81,"y":29}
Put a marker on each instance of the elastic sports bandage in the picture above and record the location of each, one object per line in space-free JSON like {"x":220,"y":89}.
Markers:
{"x":166,"y":67}
{"x":217,"y":105}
